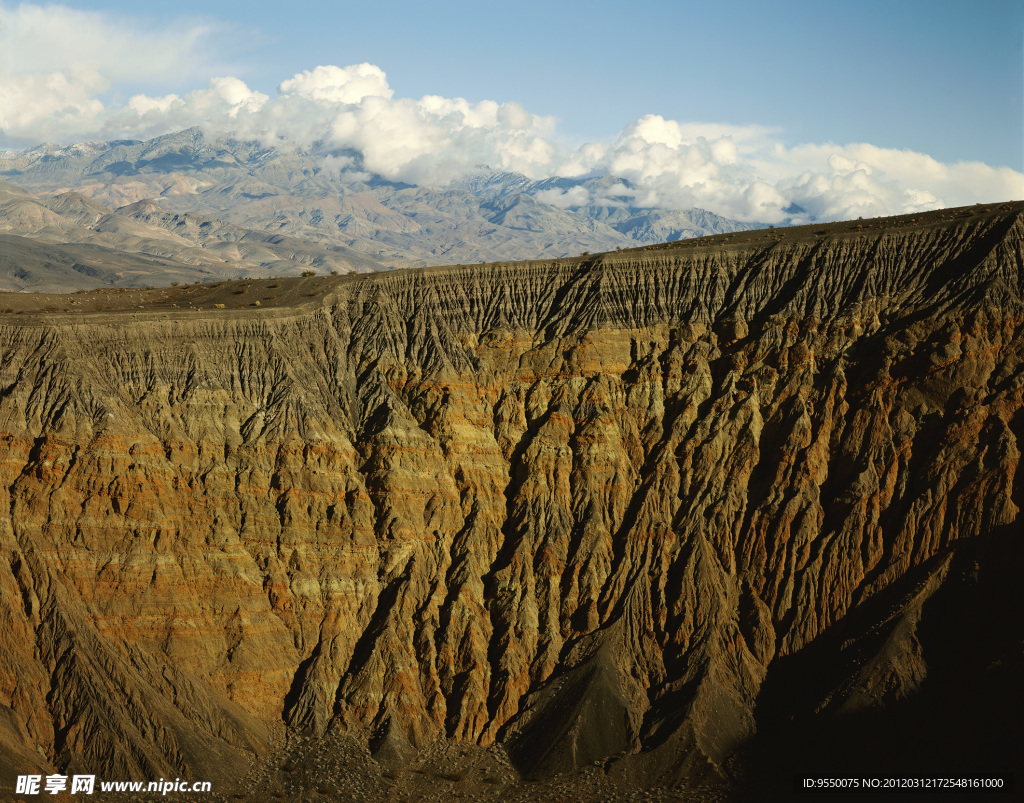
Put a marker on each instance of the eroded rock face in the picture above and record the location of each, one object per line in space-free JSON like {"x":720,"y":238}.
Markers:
{"x":579,"y":507}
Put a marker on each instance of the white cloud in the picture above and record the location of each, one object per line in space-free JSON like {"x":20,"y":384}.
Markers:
{"x":60,"y":63}
{"x":336,"y":85}
{"x":56,"y":61}
{"x":572,"y":197}
{"x":747,"y":173}
{"x":43,"y":39}
{"x":50,"y":102}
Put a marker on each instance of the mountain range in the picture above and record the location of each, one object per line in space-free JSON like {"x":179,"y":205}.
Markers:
{"x":67,"y":241}
{"x":325,"y":198}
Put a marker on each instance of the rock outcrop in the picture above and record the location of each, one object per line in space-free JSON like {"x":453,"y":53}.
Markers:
{"x":595,"y":510}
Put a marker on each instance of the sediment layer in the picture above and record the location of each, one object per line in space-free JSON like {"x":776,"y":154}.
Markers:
{"x":579,"y":507}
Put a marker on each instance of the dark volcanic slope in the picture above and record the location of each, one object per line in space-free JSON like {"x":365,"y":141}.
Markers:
{"x":668,"y":509}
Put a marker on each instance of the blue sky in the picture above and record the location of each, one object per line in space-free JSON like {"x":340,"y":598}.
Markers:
{"x":928,"y":77}
{"x":945,"y":78}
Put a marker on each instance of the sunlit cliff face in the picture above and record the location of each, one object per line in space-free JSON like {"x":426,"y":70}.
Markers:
{"x":583,"y":508}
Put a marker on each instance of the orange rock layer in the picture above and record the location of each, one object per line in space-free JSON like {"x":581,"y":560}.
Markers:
{"x":580,"y":507}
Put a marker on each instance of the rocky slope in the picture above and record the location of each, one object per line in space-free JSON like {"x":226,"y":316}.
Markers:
{"x":143,"y":244}
{"x":672,"y":510}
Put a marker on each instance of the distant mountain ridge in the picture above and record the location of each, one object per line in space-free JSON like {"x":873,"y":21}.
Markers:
{"x":325,"y":196}
{"x":69,"y":242}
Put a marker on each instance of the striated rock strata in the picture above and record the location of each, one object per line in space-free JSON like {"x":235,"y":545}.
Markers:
{"x":595,"y":510}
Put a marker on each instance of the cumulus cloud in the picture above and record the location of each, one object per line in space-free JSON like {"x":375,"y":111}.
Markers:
{"x":748,"y":174}
{"x":565,"y":199}
{"x":336,"y":85}
{"x":56,"y":61}
{"x":224,"y":100}
{"x":60,"y":63}
{"x":833,"y":181}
